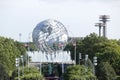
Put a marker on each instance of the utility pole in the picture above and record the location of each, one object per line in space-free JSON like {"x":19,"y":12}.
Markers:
{"x":104,"y":19}
{"x":99,"y":25}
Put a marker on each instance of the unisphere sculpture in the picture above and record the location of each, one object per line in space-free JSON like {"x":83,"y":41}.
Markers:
{"x":50,"y":35}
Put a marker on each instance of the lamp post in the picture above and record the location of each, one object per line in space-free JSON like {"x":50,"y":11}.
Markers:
{"x":22,"y":65}
{"x":17,"y":65}
{"x":94,"y":63}
{"x":86,"y":58}
{"x":29,"y":37}
{"x":74,"y":44}
{"x":80,"y":57}
{"x":40,"y":67}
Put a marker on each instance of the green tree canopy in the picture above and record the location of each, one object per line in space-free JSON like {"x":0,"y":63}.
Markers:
{"x":3,"y":73}
{"x":8,"y":52}
{"x":106,"y":72}
{"x":109,"y":51}
{"x":78,"y":72}
{"x":31,"y":73}
{"x":106,"y":50}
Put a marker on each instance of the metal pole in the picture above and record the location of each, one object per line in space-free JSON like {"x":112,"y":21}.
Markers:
{"x":86,"y":58}
{"x":80,"y":57}
{"x":22,"y":65}
{"x":17,"y":65}
{"x":94,"y":64}
{"x":40,"y":68}
{"x":28,"y":61}
{"x":62,"y":68}
{"x":18,"y":73}
{"x":74,"y":44}
{"x":99,"y":30}
{"x":50,"y":68}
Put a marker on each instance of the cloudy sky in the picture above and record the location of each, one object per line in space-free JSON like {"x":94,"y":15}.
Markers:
{"x":78,"y":16}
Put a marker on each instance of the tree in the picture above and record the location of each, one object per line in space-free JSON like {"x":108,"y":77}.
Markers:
{"x":20,"y":47}
{"x":3,"y":73}
{"x":70,"y":47}
{"x":31,"y":73}
{"x":106,"y":72}
{"x":8,"y":53}
{"x":78,"y":72}
{"x":109,"y":52}
{"x":89,"y":42}
{"x":105,"y":49}
{"x":9,"y":50}
{"x":85,"y":46}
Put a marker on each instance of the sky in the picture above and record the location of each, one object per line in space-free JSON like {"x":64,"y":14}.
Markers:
{"x":78,"y":16}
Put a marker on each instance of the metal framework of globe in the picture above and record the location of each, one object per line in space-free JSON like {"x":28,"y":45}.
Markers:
{"x":50,"y":36}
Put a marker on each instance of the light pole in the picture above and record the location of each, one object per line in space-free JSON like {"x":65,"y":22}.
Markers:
{"x":29,"y":37}
{"x":86,"y":58}
{"x":74,"y":44}
{"x":17,"y":65}
{"x":80,"y":57}
{"x":94,"y":63}
{"x":22,"y":65}
{"x":40,"y":68}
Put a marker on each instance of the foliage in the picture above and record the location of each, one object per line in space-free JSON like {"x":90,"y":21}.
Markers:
{"x":20,"y":47}
{"x":30,"y":46}
{"x":70,"y":47}
{"x":31,"y":73}
{"x":105,"y":49}
{"x":78,"y":72}
{"x":87,"y":63}
{"x":56,"y":70}
{"x":107,"y":71}
{"x":89,"y":42}
{"x":8,"y":53}
{"x":85,"y":46}
{"x":117,"y":78}
{"x":109,"y":51}
{"x":3,"y":73}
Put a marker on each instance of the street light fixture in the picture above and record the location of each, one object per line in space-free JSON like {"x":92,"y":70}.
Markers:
{"x":94,"y":63}
{"x":86,"y":58}
{"x":17,"y":65}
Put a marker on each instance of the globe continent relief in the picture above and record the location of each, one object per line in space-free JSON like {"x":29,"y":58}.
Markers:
{"x":50,"y":35}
